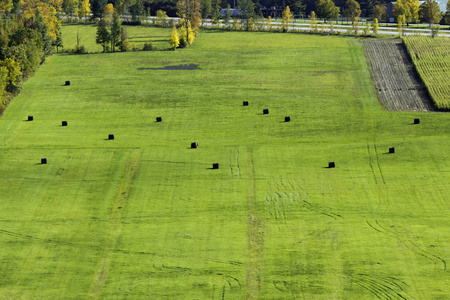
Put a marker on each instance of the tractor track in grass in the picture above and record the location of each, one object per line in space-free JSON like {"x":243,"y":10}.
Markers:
{"x":256,"y":231}
{"x":398,"y":86}
{"x":115,"y":225}
{"x":384,"y":288}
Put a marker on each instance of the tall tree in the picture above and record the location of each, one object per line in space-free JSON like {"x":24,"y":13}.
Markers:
{"x":137,"y":10}
{"x":287,"y":19}
{"x":327,"y":9}
{"x":407,"y":8}
{"x":103,"y":36}
{"x":206,"y":8}
{"x":246,"y":11}
{"x":375,"y":26}
{"x":98,"y":7}
{"x":352,"y":9}
{"x":85,"y":10}
{"x":379,"y":13}
{"x":108,"y":13}
{"x":430,"y":12}
{"x":447,"y":13}
{"x":190,"y":12}
{"x":297,"y":7}
{"x":313,"y":22}
{"x":70,"y":8}
{"x":115,"y":31}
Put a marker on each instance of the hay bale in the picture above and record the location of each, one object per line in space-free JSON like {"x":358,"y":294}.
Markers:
{"x":245,"y":103}
{"x":158,"y":119}
{"x":64,"y":123}
{"x":391,"y":150}
{"x":43,"y":161}
{"x":194,"y":145}
{"x":110,"y":136}
{"x":416,"y":121}
{"x":331,"y":164}
{"x":265,"y":111}
{"x":215,"y":165}
{"x":287,"y":119}
{"x":67,"y":82}
{"x":30,"y":118}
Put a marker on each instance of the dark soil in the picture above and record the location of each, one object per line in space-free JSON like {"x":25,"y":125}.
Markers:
{"x":399,"y":87}
{"x":176,"y":68}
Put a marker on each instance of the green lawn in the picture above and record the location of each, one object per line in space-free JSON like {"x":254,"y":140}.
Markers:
{"x":143,"y":216}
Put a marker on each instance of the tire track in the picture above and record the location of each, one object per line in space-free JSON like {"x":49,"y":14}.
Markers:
{"x":381,"y":287}
{"x":256,"y":232}
{"x":118,"y":204}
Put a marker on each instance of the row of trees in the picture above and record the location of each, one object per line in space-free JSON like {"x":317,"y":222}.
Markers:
{"x":28,"y":33}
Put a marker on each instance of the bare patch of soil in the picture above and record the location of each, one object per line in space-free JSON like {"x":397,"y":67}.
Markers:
{"x":399,"y":87}
{"x":176,"y":68}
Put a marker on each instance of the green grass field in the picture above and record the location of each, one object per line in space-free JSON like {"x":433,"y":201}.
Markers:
{"x":143,"y":216}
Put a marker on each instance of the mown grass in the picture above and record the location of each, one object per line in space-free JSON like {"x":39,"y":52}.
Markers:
{"x":145,"y":216}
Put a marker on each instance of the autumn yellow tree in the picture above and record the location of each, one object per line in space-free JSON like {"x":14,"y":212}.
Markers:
{"x":48,"y":12}
{"x":108,"y":13}
{"x":187,"y":35}
{"x":190,"y":13}
{"x":313,"y":22}
{"x":5,"y":6}
{"x":287,"y":19}
{"x":85,"y":10}
{"x":409,"y":9}
{"x":375,"y":26}
{"x":174,"y":40}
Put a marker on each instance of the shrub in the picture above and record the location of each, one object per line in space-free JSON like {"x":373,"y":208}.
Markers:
{"x":148,"y":47}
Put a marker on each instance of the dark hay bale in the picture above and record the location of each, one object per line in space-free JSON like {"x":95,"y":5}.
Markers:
{"x":64,"y":123}
{"x":215,"y":165}
{"x":331,"y":164}
{"x":43,"y":161}
{"x":194,"y":145}
{"x":158,"y":119}
{"x":67,"y":82}
{"x":110,"y":136}
{"x":287,"y":119}
{"x":30,"y":118}
{"x":265,"y":111}
{"x":391,"y":150}
{"x":245,"y":103}
{"x":416,"y":121}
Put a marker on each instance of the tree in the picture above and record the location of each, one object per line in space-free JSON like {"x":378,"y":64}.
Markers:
{"x":103,"y":36}
{"x":161,"y":18}
{"x":287,"y":18}
{"x":352,"y":9}
{"x":297,"y":7}
{"x":186,"y":35}
{"x":174,"y":40}
{"x":379,"y":13}
{"x":355,"y":25}
{"x":98,"y":7}
{"x":206,"y":8}
{"x":401,"y":21}
{"x":247,"y":10}
{"x":190,"y":13}
{"x":137,"y":10}
{"x":14,"y":75}
{"x":447,"y":14}
{"x":85,"y":10}
{"x":313,"y":22}
{"x":430,"y":12}
{"x":409,"y":9}
{"x":108,"y":13}
{"x":124,"y":42}
{"x":70,"y":8}
{"x":269,"y":23}
{"x":227,"y":16}
{"x":327,"y":9}
{"x":6,"y":6}
{"x":375,"y":26}
{"x":115,"y":32}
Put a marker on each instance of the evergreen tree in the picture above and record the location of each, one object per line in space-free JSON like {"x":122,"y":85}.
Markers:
{"x":98,"y":7}
{"x":137,"y":10}
{"x":103,"y":36}
{"x":115,"y":32}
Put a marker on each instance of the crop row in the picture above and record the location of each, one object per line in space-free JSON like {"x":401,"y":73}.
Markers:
{"x":431,"y":56}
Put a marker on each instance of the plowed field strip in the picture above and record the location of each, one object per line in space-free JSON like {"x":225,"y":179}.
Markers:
{"x":398,"y":86}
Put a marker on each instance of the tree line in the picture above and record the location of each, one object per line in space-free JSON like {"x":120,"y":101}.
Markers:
{"x":29,"y":31}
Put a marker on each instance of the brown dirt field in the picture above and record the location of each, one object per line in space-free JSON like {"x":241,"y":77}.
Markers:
{"x":399,"y":88}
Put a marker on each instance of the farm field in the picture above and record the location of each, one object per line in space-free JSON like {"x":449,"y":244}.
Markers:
{"x":144,"y":216}
{"x":432,"y":59}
